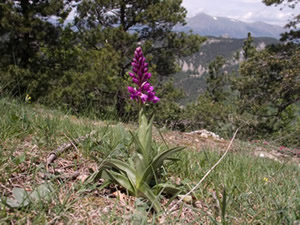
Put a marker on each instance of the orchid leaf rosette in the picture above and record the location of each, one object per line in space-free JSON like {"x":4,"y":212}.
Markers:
{"x":140,"y":174}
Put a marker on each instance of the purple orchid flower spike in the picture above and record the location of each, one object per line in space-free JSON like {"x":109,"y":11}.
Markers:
{"x":144,"y":92}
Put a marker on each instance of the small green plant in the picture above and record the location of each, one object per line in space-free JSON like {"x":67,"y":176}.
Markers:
{"x":22,"y":198}
{"x":140,"y":174}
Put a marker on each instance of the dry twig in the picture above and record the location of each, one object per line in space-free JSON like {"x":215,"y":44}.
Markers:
{"x":53,"y":155}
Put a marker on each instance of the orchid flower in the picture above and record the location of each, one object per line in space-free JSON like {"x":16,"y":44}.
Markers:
{"x":143,"y":91}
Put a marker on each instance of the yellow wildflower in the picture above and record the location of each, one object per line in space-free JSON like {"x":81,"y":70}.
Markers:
{"x":27,"y":98}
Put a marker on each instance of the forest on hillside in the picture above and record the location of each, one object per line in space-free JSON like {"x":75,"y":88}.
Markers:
{"x":193,"y":75}
{"x":82,"y":67}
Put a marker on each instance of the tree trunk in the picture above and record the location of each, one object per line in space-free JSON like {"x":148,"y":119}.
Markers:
{"x":120,"y":106}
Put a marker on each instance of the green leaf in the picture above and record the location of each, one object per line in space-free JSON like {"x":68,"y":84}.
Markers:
{"x":19,"y":159}
{"x":131,"y":163}
{"x":122,"y":180}
{"x":157,"y":162}
{"x":174,"y":159}
{"x":121,"y":166}
{"x":21,"y":196}
{"x":140,"y":148}
{"x":223,"y":209}
{"x":141,"y":161}
{"x":159,"y":159}
{"x":146,"y":192}
{"x":43,"y":191}
{"x":145,"y":133}
{"x":167,"y":188}
{"x":13,"y":203}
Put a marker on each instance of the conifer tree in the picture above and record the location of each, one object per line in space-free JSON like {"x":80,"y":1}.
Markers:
{"x":248,"y":47}
{"x":216,"y":80}
{"x":126,"y":24}
{"x":268,"y":84}
{"x":25,"y":27}
{"x":25,"y":30}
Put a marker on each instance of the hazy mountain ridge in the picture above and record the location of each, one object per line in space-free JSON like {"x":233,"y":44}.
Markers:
{"x":207,"y":25}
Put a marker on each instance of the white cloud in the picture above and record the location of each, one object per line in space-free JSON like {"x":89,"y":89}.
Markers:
{"x":249,"y":1}
{"x":248,"y":16}
{"x":194,"y":11}
{"x":245,"y":10}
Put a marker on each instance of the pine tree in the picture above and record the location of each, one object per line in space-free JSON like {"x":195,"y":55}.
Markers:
{"x":268,"y":83}
{"x":268,"y":88}
{"x":216,"y":80}
{"x":126,"y":24}
{"x":248,"y":47}
{"x":25,"y":29}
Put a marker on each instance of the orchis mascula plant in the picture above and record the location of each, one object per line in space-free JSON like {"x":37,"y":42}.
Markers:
{"x":140,"y":174}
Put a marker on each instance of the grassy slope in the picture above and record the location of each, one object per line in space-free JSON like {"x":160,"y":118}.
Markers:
{"x":258,"y":190}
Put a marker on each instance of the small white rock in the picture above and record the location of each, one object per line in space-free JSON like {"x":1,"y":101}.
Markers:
{"x":203,"y":135}
{"x":106,"y":209}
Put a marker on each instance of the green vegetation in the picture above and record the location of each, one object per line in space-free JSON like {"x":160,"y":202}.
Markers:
{"x":141,"y":172}
{"x":58,"y":166}
{"x":82,"y":67}
{"x":193,"y":79}
{"x":261,"y":97}
{"x":243,"y":189}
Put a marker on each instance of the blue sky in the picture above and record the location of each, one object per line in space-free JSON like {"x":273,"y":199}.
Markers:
{"x":245,"y":10}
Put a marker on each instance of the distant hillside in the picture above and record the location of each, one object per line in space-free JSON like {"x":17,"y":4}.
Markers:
{"x":194,"y":68}
{"x":206,"y":25}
